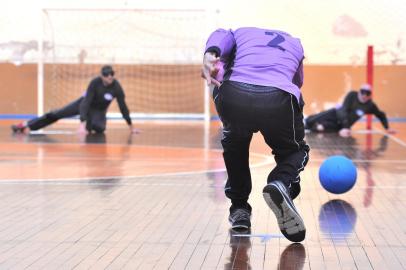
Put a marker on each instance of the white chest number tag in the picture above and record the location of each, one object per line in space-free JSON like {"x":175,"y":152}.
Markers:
{"x":108,"y":96}
{"x":360,"y":112}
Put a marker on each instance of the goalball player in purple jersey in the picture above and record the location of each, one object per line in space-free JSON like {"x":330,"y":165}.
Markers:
{"x":260,"y":91}
{"x":92,"y":107}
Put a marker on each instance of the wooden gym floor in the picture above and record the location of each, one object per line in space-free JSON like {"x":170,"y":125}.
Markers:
{"x":155,"y":201}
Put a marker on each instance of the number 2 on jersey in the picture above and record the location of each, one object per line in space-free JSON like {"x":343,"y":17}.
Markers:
{"x":276,"y":40}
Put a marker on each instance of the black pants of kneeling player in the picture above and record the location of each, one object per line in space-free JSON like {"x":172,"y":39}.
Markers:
{"x":328,"y":119}
{"x":96,"y":120}
{"x":245,"y":109}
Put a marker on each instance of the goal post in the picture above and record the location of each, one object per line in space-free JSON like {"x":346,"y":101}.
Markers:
{"x":156,"y":53}
{"x":370,"y":78}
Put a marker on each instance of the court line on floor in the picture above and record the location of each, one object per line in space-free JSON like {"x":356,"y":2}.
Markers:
{"x":267,"y":160}
{"x":399,"y":141}
{"x":381,"y":132}
{"x":146,"y":184}
{"x":78,"y":158}
{"x":383,"y":187}
{"x":51,"y":132}
{"x":95,"y":183}
{"x":263,"y":236}
{"x":401,"y":161}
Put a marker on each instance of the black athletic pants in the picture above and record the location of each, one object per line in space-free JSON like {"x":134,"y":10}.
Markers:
{"x":245,"y":109}
{"x":327,"y":118}
{"x":96,"y":118}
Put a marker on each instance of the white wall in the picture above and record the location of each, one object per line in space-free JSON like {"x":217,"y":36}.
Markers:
{"x":332,"y":32}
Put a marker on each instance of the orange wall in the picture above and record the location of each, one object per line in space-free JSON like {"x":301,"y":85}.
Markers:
{"x":327,"y":85}
{"x":18,"y":86}
{"x":323,"y":87}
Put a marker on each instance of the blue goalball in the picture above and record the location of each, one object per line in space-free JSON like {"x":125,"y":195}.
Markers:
{"x":337,"y":174}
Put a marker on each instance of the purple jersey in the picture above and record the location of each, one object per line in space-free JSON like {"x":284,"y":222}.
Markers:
{"x":259,"y":56}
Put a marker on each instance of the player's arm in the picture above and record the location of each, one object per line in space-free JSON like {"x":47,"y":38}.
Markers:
{"x":380,"y":115}
{"x":346,"y":107}
{"x":125,"y":112}
{"x":345,"y":110}
{"x":220,"y":42}
{"x":85,"y":105}
{"x":218,"y":46}
{"x":382,"y":118}
{"x":298,"y":78}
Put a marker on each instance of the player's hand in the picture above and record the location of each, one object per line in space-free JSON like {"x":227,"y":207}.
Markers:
{"x":345,"y":132}
{"x":209,"y":69}
{"x":391,"y":131}
{"x":320,"y":127}
{"x":82,"y":128}
{"x":134,"y":130}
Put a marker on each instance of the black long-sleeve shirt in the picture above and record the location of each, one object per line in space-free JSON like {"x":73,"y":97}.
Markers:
{"x":99,"y":96}
{"x":352,"y":110}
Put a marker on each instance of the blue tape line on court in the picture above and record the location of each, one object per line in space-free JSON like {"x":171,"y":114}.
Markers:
{"x":17,"y":116}
{"x":390,"y":119}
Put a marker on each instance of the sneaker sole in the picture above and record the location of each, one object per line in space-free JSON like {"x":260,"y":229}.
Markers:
{"x":241,"y":227}
{"x":290,"y":223}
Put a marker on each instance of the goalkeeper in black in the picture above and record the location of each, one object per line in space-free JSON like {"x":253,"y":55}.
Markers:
{"x":356,"y":104}
{"x":91,"y":107}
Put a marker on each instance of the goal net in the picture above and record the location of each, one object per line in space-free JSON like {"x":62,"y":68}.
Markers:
{"x":156,"y":54}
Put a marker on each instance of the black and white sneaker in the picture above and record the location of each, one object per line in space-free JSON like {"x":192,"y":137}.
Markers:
{"x":290,"y":223}
{"x":19,"y":128}
{"x":240,"y":219}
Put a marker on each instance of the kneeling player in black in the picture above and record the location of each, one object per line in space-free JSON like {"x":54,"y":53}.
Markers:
{"x":356,"y":105}
{"x":92,"y":107}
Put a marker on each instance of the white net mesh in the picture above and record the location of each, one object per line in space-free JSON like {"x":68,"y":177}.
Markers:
{"x":156,"y":55}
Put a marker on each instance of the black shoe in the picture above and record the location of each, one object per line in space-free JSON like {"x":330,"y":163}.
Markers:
{"x":19,"y":128}
{"x":240,"y":219}
{"x":290,"y":223}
